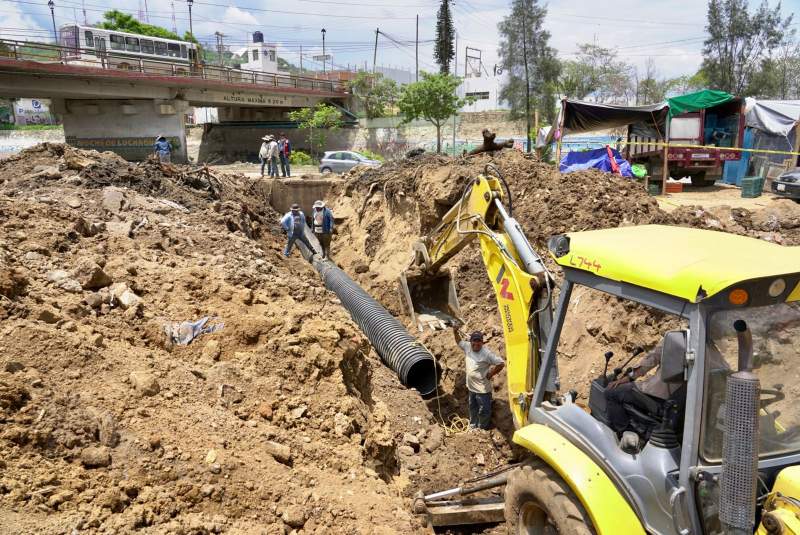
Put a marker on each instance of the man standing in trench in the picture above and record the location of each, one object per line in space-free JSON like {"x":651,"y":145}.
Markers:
{"x":481,"y":366}
{"x":294,"y":223}
{"x":322,"y":224}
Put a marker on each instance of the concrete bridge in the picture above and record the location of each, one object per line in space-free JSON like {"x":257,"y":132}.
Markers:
{"x":123,"y":110}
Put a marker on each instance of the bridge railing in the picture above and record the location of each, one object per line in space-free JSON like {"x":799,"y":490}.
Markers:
{"x":110,"y":60}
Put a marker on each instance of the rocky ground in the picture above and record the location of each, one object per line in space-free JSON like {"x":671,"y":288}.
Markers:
{"x":284,"y":420}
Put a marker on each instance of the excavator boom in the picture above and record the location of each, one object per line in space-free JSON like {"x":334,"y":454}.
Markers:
{"x":521,"y":283}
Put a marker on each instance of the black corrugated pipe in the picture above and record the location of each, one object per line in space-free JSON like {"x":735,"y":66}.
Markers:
{"x":401,"y":352}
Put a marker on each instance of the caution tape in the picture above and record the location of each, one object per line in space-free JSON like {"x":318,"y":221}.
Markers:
{"x":682,"y":146}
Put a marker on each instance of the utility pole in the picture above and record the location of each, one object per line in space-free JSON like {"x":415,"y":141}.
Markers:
{"x":146,"y":13}
{"x":220,"y":48}
{"x":301,"y":59}
{"x":174,"y":24}
{"x":455,"y":73}
{"x":85,"y":18}
{"x":416,"y":52}
{"x":375,"y":51}
{"x":527,"y":82}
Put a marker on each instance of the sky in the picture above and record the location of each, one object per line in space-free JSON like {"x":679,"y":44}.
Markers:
{"x":670,"y":32}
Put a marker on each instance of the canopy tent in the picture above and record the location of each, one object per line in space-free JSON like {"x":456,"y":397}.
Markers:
{"x":581,"y":116}
{"x":776,"y":117}
{"x":700,"y":100}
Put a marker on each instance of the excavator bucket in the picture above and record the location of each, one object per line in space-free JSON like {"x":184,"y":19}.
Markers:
{"x":430,"y":299}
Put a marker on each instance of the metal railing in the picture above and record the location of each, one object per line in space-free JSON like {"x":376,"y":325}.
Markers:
{"x":110,"y":60}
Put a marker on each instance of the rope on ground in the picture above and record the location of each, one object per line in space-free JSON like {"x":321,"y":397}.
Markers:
{"x":457,"y":424}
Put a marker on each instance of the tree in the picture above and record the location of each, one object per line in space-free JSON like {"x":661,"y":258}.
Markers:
{"x":598,"y":73}
{"x":375,"y":93}
{"x":444,"y":51}
{"x":688,"y":84}
{"x":524,"y":25}
{"x":739,"y":42}
{"x":323,"y":117}
{"x":650,"y":89}
{"x":434,"y":99}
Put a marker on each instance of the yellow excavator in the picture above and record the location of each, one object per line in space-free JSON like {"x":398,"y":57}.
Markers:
{"x":721,"y":456}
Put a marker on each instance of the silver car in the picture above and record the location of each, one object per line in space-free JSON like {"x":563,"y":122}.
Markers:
{"x":341,"y":160}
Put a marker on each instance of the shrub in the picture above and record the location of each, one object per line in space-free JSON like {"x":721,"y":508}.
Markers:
{"x":299,"y":157}
{"x":372,"y":155}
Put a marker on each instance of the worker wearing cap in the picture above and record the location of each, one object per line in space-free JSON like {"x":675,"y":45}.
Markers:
{"x":322,"y":224}
{"x":481,"y":366}
{"x":294,"y":223}
{"x":263,"y":153}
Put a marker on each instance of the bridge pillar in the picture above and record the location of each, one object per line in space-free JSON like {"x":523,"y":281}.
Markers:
{"x":127,"y":127}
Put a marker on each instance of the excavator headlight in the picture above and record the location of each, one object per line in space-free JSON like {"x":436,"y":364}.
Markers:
{"x":777,"y":287}
{"x":558,"y":245}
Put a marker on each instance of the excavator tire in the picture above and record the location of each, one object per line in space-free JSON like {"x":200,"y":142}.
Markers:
{"x":539,"y":502}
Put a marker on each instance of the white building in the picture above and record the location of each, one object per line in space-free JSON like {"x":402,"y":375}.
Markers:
{"x":261,"y":56}
{"x":486,"y":91}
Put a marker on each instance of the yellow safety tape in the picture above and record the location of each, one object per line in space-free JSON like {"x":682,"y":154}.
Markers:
{"x":681,"y":146}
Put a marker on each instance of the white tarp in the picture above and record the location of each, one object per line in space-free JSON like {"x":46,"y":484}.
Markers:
{"x":776,"y":117}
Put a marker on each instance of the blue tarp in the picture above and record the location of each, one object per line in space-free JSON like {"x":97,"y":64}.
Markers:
{"x":594,"y":159}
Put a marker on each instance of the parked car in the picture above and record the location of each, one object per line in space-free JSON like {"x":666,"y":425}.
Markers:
{"x":788,"y":184}
{"x":340,"y":161}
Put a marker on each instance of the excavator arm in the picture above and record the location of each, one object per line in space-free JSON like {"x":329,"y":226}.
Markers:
{"x":521,"y":283}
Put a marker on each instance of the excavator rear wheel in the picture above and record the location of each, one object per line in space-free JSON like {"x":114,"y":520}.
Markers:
{"x":539,"y":502}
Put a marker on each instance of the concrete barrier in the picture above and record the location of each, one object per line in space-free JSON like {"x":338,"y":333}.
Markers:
{"x":282,"y":193}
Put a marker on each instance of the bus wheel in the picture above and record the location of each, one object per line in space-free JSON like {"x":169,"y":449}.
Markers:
{"x":539,"y":502}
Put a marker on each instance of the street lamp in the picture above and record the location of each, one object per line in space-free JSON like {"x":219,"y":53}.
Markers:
{"x":52,"y":6}
{"x":323,"y":50}
{"x":190,"y":2}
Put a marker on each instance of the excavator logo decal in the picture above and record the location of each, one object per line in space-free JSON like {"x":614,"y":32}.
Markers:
{"x":504,"y":282}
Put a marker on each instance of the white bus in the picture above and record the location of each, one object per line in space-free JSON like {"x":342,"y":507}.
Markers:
{"x":87,"y":45}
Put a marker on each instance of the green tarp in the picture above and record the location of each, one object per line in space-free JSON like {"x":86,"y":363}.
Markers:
{"x":707,"y":98}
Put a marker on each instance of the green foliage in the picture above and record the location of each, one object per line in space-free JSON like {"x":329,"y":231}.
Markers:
{"x":298,"y":157}
{"x":525,"y":24}
{"x":740,"y":44}
{"x":371,"y":155}
{"x":597,"y":71}
{"x":434,"y":99}
{"x":375,"y":93}
{"x":444,"y":50}
{"x":9,"y":126}
{"x":688,"y":84}
{"x":317,"y":121}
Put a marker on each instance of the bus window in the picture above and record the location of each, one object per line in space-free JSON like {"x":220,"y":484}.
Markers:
{"x":89,"y":38}
{"x":255,"y":54}
{"x":174,"y":50}
{"x":161,"y":48}
{"x":132,"y":44}
{"x":192,"y":54}
{"x":147,"y":46}
{"x":272,"y":55}
{"x":184,"y":54}
{"x":117,"y":42}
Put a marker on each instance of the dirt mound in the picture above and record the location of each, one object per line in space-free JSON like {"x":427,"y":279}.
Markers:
{"x":282,"y":420}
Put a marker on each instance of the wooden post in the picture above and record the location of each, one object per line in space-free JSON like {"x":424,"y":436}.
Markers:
{"x":665,"y":168}
{"x":560,"y":130}
{"x":535,"y":126}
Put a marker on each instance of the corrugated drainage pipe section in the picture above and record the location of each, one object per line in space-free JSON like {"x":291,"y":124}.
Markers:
{"x":401,"y":352}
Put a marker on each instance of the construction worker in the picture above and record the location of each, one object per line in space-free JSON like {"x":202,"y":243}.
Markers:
{"x":481,"y":366}
{"x":294,"y":223}
{"x":322,"y":224}
{"x":163,"y":149}
{"x":263,"y":153}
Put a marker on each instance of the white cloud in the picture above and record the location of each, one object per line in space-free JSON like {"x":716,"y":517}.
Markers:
{"x":21,"y":26}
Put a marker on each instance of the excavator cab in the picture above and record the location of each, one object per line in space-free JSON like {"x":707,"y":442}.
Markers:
{"x":734,"y":464}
